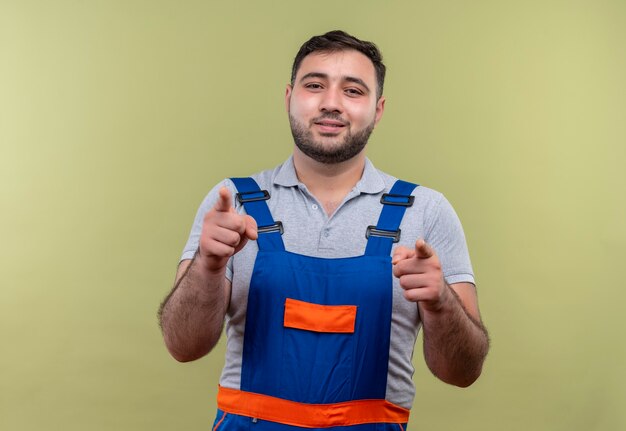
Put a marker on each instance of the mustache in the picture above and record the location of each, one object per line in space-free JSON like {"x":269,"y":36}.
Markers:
{"x":330,"y":116}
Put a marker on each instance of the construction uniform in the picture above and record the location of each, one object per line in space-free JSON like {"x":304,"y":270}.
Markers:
{"x":313,"y":348}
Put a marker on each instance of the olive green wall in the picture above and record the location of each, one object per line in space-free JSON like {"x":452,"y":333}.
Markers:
{"x":116,"y":117}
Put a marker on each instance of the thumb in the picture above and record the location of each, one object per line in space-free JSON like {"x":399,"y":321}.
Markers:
{"x":401,"y":253}
{"x":224,"y":202}
{"x":250,"y":232}
{"x":423,"y":250}
{"x":251,"y":228}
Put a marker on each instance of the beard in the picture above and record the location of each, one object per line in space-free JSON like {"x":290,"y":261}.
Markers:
{"x":330,"y":153}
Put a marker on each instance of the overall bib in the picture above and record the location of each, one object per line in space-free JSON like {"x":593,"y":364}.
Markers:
{"x":316,"y":342}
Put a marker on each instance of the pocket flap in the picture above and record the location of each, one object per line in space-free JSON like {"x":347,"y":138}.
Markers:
{"x":319,"y":318}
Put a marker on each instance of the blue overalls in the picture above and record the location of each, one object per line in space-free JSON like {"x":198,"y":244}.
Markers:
{"x":316,"y":343}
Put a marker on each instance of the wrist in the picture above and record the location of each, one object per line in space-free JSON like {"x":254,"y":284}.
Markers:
{"x":209,"y":265}
{"x":446,"y":301}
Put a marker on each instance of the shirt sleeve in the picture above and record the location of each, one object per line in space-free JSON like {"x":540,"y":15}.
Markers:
{"x":196,"y":229}
{"x":443,"y":231}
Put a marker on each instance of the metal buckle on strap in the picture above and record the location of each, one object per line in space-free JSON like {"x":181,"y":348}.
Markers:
{"x":259,"y":195}
{"x":393,"y":234}
{"x":397,"y":200}
{"x":276,"y":227}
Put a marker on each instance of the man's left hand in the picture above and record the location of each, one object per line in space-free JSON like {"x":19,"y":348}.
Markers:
{"x":420,"y":275}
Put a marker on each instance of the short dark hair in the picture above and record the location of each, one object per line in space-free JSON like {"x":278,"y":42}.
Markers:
{"x":338,"y":40}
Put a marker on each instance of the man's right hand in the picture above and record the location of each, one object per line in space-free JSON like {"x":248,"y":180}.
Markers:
{"x":224,"y":233}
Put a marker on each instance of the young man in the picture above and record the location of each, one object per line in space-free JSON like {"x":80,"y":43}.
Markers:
{"x":325,"y":268}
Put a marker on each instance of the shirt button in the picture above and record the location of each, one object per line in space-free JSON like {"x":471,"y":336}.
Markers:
{"x":326,"y":233}
{"x":314,"y":206}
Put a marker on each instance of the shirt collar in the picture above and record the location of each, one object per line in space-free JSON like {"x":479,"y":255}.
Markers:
{"x":371,"y":181}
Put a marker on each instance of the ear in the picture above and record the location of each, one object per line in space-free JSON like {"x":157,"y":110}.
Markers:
{"x":380,"y":108}
{"x":288,"y":96}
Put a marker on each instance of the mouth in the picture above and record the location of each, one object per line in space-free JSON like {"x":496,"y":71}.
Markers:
{"x":330,"y":126}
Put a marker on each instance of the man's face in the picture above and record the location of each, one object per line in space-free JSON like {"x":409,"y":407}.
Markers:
{"x":332,"y":105}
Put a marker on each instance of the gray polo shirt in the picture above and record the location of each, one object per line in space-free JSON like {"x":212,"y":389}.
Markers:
{"x":310,"y":231}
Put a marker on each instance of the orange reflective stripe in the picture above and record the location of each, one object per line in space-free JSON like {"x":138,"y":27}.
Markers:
{"x":220,"y":422}
{"x":319,"y":318}
{"x":309,"y":415}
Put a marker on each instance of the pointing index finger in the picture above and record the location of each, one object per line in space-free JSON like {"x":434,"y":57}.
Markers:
{"x":423,"y":250}
{"x":224,"y":203}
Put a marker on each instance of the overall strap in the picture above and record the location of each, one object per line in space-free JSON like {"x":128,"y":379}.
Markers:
{"x":253,"y":200}
{"x":381,"y":237}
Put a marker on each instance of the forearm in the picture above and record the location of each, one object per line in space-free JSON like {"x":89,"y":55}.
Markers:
{"x":455,"y":343}
{"x":192,"y":315}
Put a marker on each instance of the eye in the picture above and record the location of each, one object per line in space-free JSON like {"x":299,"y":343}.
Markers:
{"x":313,"y":86}
{"x":352,"y":91}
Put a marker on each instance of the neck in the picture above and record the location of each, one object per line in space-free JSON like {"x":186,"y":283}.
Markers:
{"x":328,"y":183}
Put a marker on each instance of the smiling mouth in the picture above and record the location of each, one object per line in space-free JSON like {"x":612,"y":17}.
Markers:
{"x":329,"y":123}
{"x":330,"y":126}
{"x":329,"y":129}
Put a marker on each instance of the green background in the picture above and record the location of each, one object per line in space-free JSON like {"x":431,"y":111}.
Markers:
{"x":116,"y":117}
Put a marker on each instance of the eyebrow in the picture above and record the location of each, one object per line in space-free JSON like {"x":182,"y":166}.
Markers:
{"x":344,"y":78}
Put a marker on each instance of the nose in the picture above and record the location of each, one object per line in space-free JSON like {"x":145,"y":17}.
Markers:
{"x":331,"y":101}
